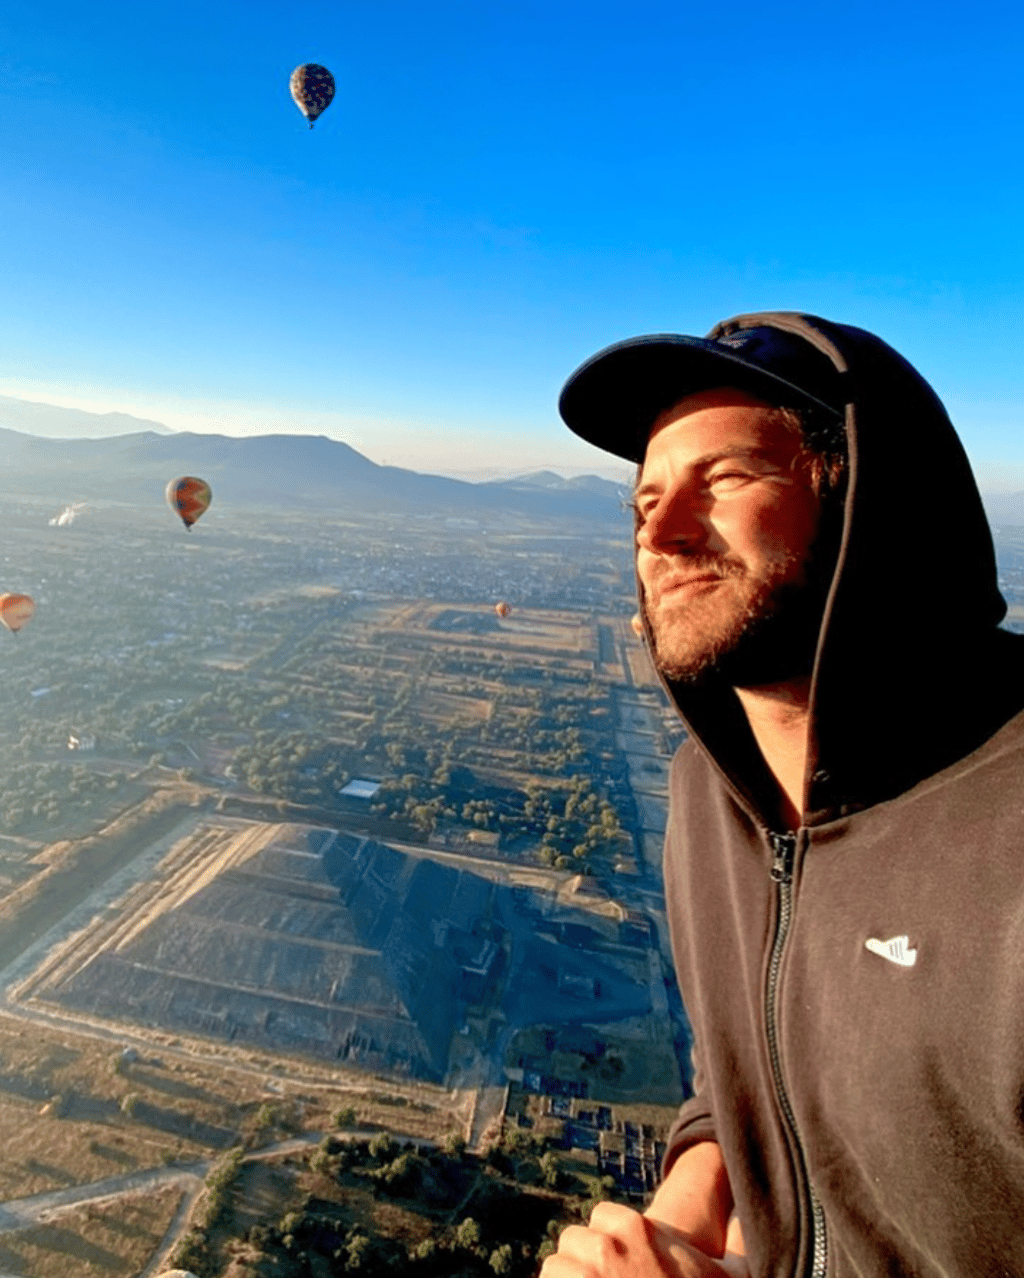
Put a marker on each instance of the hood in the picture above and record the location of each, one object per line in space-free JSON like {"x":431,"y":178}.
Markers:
{"x":911,"y":671}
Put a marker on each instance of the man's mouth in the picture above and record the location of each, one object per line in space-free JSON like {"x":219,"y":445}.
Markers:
{"x":688,"y":585}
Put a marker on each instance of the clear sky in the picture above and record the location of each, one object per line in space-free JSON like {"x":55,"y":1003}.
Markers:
{"x":500,"y":188}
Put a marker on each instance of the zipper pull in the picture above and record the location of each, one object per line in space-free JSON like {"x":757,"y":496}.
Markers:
{"x":784,"y":848}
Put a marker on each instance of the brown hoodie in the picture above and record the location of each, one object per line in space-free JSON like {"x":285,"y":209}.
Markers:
{"x":856,"y":988}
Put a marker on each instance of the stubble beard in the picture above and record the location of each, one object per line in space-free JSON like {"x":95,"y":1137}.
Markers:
{"x":764,"y":631}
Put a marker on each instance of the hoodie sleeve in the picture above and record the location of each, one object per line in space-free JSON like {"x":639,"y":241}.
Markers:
{"x":695,"y":1121}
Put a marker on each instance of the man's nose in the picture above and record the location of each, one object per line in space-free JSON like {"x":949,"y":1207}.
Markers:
{"x":671,"y":527}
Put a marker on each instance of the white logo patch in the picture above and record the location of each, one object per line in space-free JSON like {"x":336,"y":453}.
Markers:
{"x":896,"y":949}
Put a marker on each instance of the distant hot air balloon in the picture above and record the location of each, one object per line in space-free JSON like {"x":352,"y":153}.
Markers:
{"x":312,"y":88}
{"x":636,"y":621}
{"x":15,"y":610}
{"x":502,"y":608}
{"x":188,"y":497}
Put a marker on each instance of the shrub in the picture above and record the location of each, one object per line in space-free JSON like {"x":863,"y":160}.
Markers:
{"x":550,"y":1171}
{"x":454,"y":1145}
{"x":382,"y":1148}
{"x":468,"y":1234}
{"x":192,"y":1253}
{"x":265,"y":1117}
{"x":356,"y":1246}
{"x":501,"y":1259}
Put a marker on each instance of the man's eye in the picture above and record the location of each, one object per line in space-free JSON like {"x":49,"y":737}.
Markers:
{"x":729,"y":479}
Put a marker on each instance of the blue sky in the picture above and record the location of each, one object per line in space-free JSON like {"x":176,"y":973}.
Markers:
{"x":500,"y":188}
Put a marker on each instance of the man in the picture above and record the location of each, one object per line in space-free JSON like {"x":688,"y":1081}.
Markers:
{"x":844,"y":861}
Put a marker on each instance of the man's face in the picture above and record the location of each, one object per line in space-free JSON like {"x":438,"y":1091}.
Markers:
{"x":727,"y":520}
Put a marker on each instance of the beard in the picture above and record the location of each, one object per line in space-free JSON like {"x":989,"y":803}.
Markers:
{"x":747,"y":633}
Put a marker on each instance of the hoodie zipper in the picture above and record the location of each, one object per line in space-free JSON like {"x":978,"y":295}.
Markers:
{"x":784,"y":850}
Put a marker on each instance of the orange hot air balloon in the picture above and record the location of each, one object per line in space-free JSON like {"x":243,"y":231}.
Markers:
{"x":638,"y":626}
{"x":188,"y":497}
{"x":15,"y":610}
{"x":502,"y":608}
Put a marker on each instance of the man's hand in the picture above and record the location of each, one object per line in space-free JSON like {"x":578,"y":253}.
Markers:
{"x":621,"y":1243}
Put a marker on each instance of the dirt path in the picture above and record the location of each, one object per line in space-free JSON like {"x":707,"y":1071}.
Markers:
{"x":175,"y":1230}
{"x":182,"y":1217}
{"x":491,"y":1096}
{"x":27,"y":1213}
{"x":40,"y":1208}
{"x":24,"y":1213}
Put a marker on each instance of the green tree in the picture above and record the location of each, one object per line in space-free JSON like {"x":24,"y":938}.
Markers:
{"x":382,"y":1148}
{"x":501,"y":1259}
{"x":423,"y":1250}
{"x":550,"y":1171}
{"x":356,"y":1247}
{"x":265,"y":1117}
{"x":468,"y":1234}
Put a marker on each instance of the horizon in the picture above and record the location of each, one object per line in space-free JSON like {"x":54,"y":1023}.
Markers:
{"x":620,"y":473}
{"x":1010,"y":481}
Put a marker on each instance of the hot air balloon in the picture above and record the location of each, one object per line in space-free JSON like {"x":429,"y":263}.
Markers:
{"x":312,"y":88}
{"x":15,"y":610}
{"x":636,"y":621}
{"x":189,"y":498}
{"x":502,"y":608}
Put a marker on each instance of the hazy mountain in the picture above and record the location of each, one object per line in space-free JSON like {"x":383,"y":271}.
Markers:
{"x":549,"y":481}
{"x":274,"y":470}
{"x":53,"y":422}
{"x":538,"y":479}
{"x":1004,"y":508}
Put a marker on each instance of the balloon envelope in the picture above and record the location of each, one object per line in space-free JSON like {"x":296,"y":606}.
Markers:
{"x":502,"y":608}
{"x":15,"y":610}
{"x":188,"y":497}
{"x":312,"y":88}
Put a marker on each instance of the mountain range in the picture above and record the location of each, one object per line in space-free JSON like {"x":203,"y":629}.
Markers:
{"x":53,"y":422}
{"x":68,"y":454}
{"x":280,"y":470}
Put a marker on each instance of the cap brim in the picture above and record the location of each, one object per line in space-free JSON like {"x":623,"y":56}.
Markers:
{"x":613,"y":399}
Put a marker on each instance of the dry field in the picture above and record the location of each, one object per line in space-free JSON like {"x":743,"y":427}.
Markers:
{"x":94,"y":1240}
{"x":62,"y":1120}
{"x":65,"y":1120}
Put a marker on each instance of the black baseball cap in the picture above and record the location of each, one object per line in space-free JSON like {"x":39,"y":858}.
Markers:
{"x":613,"y":399}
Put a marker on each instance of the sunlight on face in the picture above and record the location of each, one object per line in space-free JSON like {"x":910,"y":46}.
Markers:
{"x":727,"y":516}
